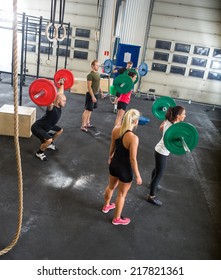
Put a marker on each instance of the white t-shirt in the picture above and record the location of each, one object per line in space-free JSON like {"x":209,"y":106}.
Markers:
{"x":160,"y":147}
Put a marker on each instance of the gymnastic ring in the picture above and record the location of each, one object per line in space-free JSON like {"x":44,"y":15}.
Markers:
{"x":55,"y":33}
{"x":48,"y":62}
{"x":64,"y":33}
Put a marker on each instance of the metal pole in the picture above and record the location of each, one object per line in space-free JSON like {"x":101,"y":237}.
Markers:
{"x":68,"y":35}
{"x":39,"y":46}
{"x":184,"y":144}
{"x":22,"y":59}
{"x":25,"y":55}
{"x":57,"y":53}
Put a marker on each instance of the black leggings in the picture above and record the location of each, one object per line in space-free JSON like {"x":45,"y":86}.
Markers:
{"x":157,"y":173}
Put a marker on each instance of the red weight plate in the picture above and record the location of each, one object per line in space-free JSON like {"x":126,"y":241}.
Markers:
{"x":42,"y":92}
{"x":64,"y":74}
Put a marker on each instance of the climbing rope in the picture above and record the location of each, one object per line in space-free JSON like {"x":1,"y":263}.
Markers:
{"x":16,"y":134}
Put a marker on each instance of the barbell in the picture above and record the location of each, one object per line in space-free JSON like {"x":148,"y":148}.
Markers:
{"x":179,"y":138}
{"x":108,"y":67}
{"x":43,"y":91}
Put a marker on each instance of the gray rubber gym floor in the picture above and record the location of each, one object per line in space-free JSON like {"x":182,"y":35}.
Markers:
{"x":63,"y":197}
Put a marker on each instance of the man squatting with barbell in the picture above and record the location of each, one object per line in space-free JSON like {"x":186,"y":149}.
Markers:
{"x":45,"y":128}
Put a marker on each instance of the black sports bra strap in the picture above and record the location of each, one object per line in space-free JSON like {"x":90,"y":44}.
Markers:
{"x":125,"y":133}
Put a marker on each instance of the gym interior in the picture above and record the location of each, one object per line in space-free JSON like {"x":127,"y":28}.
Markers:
{"x":62,"y":198}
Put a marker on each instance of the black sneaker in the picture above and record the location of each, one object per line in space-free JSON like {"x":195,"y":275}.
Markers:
{"x":41,"y":156}
{"x":154,"y":200}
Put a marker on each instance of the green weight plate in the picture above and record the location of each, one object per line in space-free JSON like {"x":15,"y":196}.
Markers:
{"x":123,"y":84}
{"x":176,"y":132}
{"x":134,"y":71}
{"x":161,"y":105}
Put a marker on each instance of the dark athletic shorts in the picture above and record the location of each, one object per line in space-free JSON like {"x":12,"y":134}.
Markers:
{"x":122,"y":172}
{"x":121,"y":105}
{"x":42,"y":134}
{"x":89,"y":104}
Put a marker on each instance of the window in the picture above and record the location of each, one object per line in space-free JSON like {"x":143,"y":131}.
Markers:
{"x":159,"y":67}
{"x":81,"y":44}
{"x":46,"y":50}
{"x":163,"y":45}
{"x":182,"y":48}
{"x":64,"y":42}
{"x":217,"y":53}
{"x":180,"y":59}
{"x":63,"y":52}
{"x":199,"y":61}
{"x":30,"y":48}
{"x":214,"y":76}
{"x":201,"y":50}
{"x":196,"y":73}
{"x":177,"y":70}
{"x":80,"y":32}
{"x":80,"y":55}
{"x":31,"y":37}
{"x":161,"y":56}
{"x":215,"y":64}
{"x":44,"y":39}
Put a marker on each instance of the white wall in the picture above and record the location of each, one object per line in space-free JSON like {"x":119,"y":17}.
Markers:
{"x":192,"y":22}
{"x":80,"y":14}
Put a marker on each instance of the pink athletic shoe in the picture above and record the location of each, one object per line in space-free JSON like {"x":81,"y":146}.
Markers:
{"x":121,"y":221}
{"x":106,"y":209}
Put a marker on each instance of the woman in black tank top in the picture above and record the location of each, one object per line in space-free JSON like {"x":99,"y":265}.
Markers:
{"x":122,"y":164}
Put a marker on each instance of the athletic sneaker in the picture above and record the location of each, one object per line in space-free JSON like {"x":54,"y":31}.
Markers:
{"x":106,"y":209}
{"x":52,"y":147}
{"x":83,"y":128}
{"x":41,"y":156}
{"x":89,"y":125}
{"x":154,"y":200}
{"x":121,"y":221}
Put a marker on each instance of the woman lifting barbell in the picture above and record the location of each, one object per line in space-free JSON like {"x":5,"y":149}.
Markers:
{"x":45,"y":128}
{"x":121,"y":70}
{"x":124,"y":100}
{"x":173,"y":115}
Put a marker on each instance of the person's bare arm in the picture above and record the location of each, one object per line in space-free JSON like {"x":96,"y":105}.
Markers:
{"x":161,"y":126}
{"x":114,"y":134}
{"x":134,"y":142}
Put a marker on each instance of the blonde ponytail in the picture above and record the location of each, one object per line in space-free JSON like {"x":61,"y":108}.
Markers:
{"x":130,"y":117}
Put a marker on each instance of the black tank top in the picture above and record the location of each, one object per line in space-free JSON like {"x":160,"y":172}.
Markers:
{"x":121,"y":153}
{"x":50,"y":118}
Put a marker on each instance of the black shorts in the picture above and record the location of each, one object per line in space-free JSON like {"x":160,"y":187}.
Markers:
{"x":121,"y":105}
{"x":89,"y":104}
{"x":122,"y":171}
{"x":42,"y":134}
